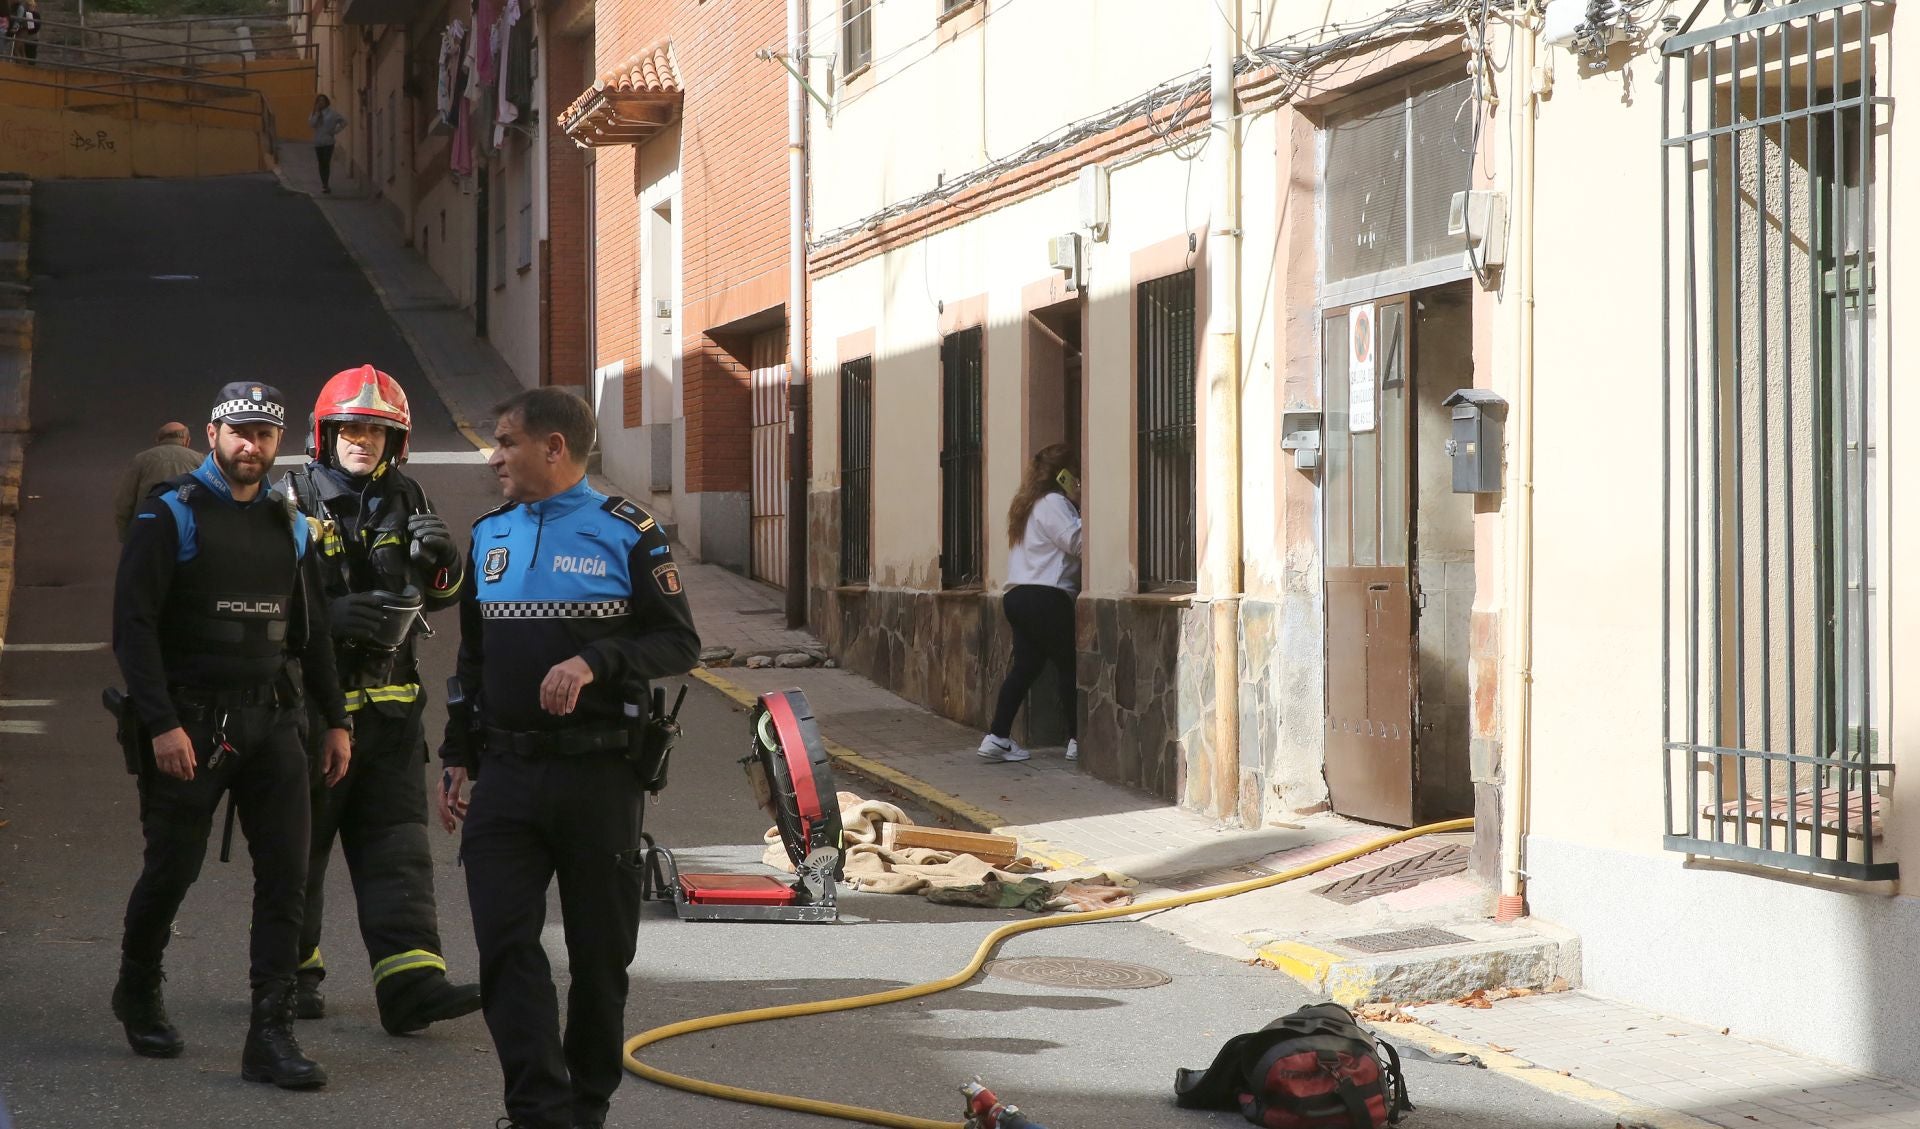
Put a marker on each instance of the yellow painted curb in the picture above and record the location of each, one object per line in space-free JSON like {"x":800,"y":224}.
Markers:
{"x":1623,"y":1109}
{"x":1345,"y":981}
{"x":951,"y":805}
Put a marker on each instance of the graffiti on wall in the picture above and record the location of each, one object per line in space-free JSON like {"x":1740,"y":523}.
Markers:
{"x":100,"y":141}
{"x":35,"y":141}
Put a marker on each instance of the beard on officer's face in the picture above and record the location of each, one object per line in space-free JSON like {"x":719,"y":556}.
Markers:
{"x":242,"y":471}
{"x":245,"y":462}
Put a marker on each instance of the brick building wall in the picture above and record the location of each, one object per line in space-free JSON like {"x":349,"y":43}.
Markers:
{"x":563,"y":290}
{"x":732,"y":213}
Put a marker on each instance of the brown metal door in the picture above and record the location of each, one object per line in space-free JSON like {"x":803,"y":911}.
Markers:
{"x":769,"y":498}
{"x":1368,"y":534}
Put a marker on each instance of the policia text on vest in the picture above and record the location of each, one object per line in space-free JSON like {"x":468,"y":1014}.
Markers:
{"x":575,"y":605}
{"x":217,"y":592}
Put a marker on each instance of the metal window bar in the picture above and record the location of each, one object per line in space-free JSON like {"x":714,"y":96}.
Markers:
{"x":961,"y":547}
{"x":856,"y":471}
{"x":1166,"y":357}
{"x":856,"y":34}
{"x":1768,"y":408}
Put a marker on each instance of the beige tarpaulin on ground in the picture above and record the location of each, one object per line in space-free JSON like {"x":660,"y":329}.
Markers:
{"x":949,"y":878}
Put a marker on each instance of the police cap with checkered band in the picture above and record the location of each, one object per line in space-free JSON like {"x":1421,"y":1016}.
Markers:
{"x":247,"y":401}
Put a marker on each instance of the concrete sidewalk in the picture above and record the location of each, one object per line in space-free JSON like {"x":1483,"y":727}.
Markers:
{"x":466,"y":372}
{"x":1432,"y":939}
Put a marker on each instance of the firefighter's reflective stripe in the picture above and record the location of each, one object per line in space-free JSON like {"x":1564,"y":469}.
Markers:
{"x":313,"y":961}
{"x":406,"y":962}
{"x":388,"y":539}
{"x":407,"y":692}
{"x":326,"y":534}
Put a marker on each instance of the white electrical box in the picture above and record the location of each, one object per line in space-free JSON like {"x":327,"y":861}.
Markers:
{"x":662,"y":308}
{"x":1480,"y":218}
{"x":1094,"y":213}
{"x":1063,"y":254}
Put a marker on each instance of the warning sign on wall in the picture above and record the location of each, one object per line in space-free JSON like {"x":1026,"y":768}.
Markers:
{"x":1360,"y":368}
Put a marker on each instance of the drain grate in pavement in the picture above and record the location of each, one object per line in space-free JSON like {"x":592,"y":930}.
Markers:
{"x":1079,"y":972}
{"x":1450,"y":859}
{"x":1394,"y":942}
{"x":1219,"y":877}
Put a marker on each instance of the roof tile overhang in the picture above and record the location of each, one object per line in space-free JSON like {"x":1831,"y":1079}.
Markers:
{"x":628,"y":105}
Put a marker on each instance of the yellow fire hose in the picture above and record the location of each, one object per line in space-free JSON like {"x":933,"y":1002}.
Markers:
{"x":914,"y":991}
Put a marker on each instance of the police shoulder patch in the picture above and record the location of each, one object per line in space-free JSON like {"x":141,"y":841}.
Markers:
{"x":628,"y":512}
{"x":667,"y":578}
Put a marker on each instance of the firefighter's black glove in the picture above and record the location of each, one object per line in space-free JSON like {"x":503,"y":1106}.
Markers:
{"x":357,"y":615}
{"x":433,"y":546}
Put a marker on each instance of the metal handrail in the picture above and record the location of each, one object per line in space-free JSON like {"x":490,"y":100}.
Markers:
{"x":303,"y":43}
{"x":132,"y":96}
{"x":252,"y":66}
{"x":157,"y":21}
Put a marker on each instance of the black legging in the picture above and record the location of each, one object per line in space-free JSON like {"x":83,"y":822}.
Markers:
{"x":1042,"y":620}
{"x":324,"y":155}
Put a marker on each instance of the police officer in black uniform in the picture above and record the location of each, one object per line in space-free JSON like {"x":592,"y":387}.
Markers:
{"x":216,"y":594}
{"x":576,"y":604}
{"x":385,"y":559}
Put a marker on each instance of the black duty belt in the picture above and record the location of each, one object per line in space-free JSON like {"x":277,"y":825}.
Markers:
{"x":244,"y":697}
{"x":558,"y":742}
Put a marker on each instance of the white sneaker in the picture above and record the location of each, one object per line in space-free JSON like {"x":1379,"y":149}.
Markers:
{"x":1073,"y":749}
{"x":1001,"y":749}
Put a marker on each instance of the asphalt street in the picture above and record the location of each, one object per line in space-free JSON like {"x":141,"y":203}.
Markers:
{"x":150,"y":295}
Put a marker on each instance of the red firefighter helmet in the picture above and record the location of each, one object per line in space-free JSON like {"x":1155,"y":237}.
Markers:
{"x":367,"y":395}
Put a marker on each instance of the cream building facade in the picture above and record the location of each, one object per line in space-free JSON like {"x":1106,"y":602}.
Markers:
{"x":1482,"y":412}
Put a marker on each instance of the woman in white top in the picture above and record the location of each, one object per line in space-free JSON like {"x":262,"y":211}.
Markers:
{"x":327,"y":124}
{"x":1043,"y":575}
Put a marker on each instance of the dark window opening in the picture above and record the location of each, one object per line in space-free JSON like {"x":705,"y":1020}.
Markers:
{"x":1166,"y":349}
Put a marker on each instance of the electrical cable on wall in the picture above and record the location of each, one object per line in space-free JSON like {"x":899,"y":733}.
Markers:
{"x":1169,"y":107}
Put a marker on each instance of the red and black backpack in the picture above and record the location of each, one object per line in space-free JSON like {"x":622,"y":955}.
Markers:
{"x":1316,"y":1068}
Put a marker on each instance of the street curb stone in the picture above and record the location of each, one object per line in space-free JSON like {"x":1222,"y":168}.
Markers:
{"x":16,"y":368}
{"x":12,"y":463}
{"x":16,"y":372}
{"x":1534,"y":958}
{"x":1623,"y":1110}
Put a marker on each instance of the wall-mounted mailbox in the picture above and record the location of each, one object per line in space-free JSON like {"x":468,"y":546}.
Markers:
{"x":1476,"y":444}
{"x":1300,"y":433}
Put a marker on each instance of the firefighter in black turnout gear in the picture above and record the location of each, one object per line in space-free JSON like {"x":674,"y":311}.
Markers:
{"x":216,"y":593}
{"x":385,"y":559}
{"x":575,"y":604}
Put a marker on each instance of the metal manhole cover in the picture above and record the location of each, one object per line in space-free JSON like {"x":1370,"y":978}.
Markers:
{"x":1450,"y":859}
{"x":1079,"y":972}
{"x":1402,"y":939}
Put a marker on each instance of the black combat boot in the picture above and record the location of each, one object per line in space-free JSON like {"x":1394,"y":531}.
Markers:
{"x":410,"y":1001}
{"x":272,"y":1054}
{"x":138,"y":1005}
{"x":308,"y":1002}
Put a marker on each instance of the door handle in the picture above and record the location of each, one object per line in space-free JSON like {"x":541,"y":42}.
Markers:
{"x":1378,"y":587}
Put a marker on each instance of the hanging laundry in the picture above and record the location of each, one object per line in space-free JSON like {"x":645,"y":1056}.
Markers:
{"x":505,"y":111}
{"x":450,"y":77}
{"x":460,"y":158}
{"x":486,"y":15}
{"x":518,"y":83}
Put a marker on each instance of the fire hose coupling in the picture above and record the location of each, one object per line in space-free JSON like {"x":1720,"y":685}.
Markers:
{"x":985,"y":1111}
